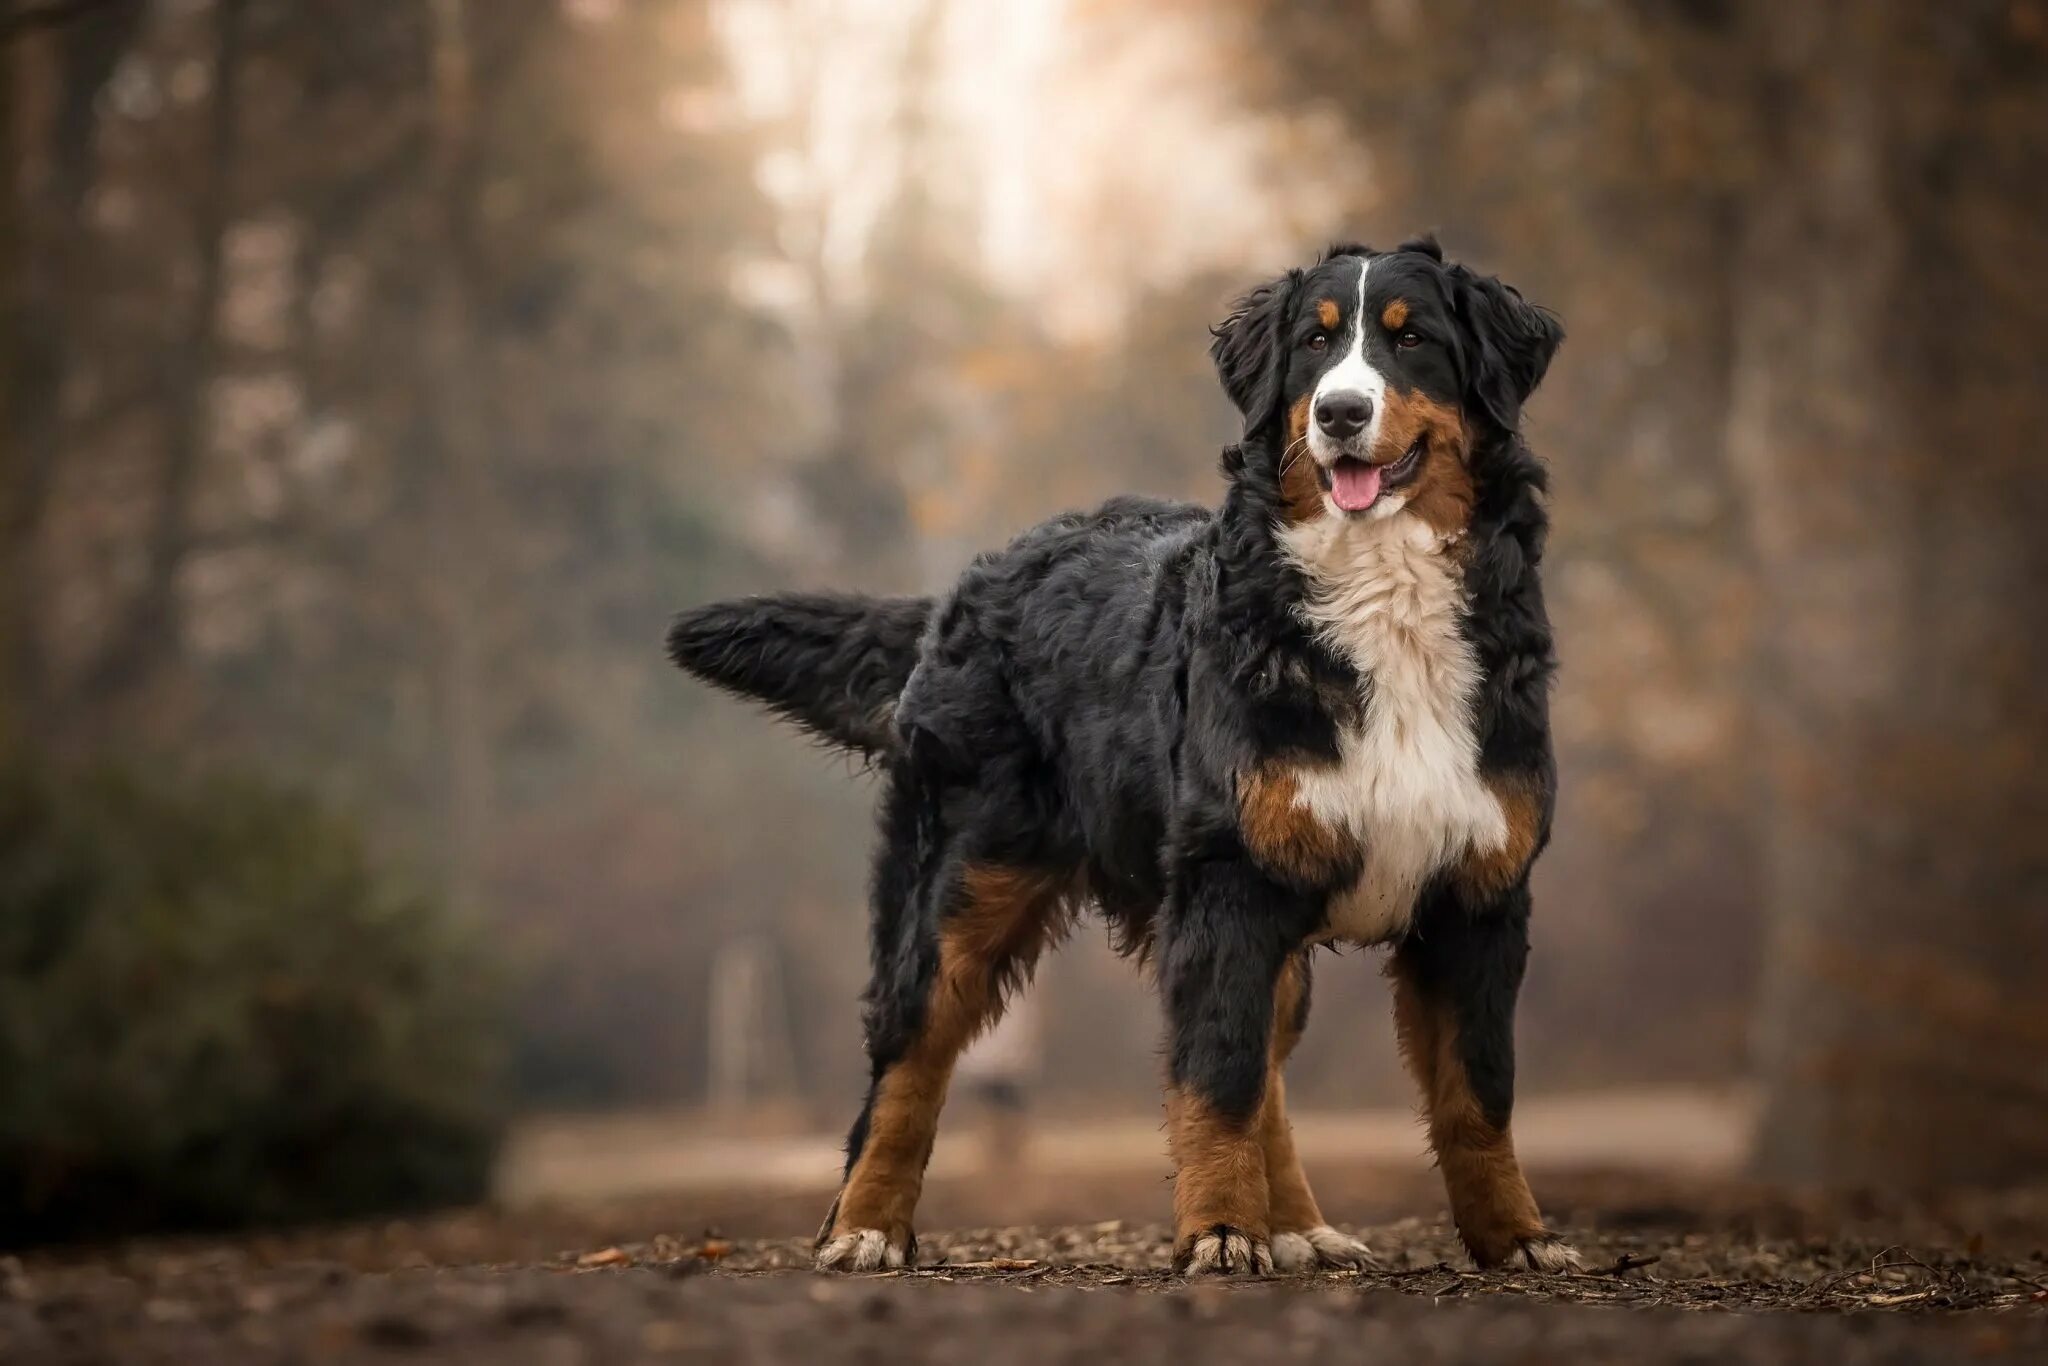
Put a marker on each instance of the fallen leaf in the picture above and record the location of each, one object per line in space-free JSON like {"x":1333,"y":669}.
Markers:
{"x":714,"y":1248}
{"x":610,"y":1256}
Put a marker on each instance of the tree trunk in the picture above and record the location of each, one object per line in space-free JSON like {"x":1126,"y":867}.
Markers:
{"x":459,"y":485}
{"x":44,"y":261}
{"x":1877,"y":431}
{"x":15,"y":605}
{"x":152,"y":629}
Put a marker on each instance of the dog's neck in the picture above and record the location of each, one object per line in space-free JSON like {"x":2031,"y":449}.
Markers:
{"x":1257,"y":567}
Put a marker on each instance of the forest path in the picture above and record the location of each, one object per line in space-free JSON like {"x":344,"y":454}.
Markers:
{"x":1095,"y":1293}
{"x":1694,"y":1130}
{"x":712,"y":1265}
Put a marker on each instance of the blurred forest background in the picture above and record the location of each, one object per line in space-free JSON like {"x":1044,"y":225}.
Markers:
{"x":380,"y":376}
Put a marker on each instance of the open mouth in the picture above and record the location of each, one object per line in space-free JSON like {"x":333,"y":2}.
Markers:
{"x":1355,"y":485}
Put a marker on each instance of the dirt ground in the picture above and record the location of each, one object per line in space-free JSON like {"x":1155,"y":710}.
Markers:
{"x":1687,"y":1269}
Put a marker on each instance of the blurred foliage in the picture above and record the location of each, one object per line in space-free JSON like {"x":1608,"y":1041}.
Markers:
{"x":214,"y":1010}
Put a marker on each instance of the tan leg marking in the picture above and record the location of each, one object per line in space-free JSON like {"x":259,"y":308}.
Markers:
{"x":1292,"y":1204}
{"x":1302,"y":1241}
{"x":1219,"y":1181}
{"x":1491,"y":1204}
{"x":1219,"y":1172}
{"x":1003,"y":922}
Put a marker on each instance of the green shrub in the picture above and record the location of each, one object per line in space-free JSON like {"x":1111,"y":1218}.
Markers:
{"x":214,"y":1011}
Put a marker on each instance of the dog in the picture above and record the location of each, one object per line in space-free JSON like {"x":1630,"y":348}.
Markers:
{"x":1315,"y":715}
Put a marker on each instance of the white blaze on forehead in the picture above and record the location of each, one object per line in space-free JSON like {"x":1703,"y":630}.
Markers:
{"x":1352,"y":373}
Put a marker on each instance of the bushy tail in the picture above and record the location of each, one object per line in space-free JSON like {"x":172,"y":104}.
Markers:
{"x":833,"y":664}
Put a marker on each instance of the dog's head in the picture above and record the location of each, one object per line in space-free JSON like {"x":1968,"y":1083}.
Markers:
{"x":1366,"y":380}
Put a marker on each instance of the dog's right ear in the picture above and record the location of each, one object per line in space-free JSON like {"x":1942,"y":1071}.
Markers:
{"x":1250,"y":351}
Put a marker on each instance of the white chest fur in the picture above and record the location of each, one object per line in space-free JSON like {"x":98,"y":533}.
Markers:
{"x":1385,"y":592}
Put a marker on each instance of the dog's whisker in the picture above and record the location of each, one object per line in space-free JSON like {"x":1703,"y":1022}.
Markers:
{"x":1295,"y":450}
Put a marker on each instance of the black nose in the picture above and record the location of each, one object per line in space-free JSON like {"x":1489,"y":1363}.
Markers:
{"x":1343,"y":415}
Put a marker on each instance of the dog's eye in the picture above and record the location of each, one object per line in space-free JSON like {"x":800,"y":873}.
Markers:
{"x":1408,"y":341}
{"x":1318,"y":342}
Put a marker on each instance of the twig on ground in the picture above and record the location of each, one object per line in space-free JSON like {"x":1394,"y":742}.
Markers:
{"x":1416,"y":1271}
{"x":1827,"y":1283}
{"x":1626,"y":1262}
{"x":1886,"y":1301}
{"x":1957,"y":1283}
{"x":1889,"y":1259}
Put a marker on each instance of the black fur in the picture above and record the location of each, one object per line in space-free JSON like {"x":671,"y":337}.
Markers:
{"x":1250,"y":354}
{"x":1086,"y":700}
{"x":1515,"y":343}
{"x":833,"y":664}
{"x":1471,"y":960}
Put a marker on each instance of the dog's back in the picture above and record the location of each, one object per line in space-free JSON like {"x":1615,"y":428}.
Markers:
{"x":1048,"y":679}
{"x":1051,"y":681}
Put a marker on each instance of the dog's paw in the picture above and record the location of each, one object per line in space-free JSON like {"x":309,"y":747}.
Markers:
{"x":862,"y":1249}
{"x":1546,"y":1253}
{"x":1225,"y":1251}
{"x":1321,"y":1248}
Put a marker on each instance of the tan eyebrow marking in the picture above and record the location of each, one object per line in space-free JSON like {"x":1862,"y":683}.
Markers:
{"x":1326,"y":312}
{"x":1395,"y":315}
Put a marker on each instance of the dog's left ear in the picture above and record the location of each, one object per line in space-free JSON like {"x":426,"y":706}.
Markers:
{"x":1511,"y":342}
{"x":1250,"y":351}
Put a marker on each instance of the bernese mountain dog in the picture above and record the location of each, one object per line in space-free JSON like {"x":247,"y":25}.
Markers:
{"x":1315,"y":715}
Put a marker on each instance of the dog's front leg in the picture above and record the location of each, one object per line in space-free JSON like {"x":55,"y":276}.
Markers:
{"x":1456,"y":977}
{"x":1225,"y":941}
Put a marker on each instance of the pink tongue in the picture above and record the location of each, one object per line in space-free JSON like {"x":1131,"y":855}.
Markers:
{"x":1354,"y":484}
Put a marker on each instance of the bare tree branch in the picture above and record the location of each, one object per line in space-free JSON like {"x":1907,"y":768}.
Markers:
{"x":54,"y":14}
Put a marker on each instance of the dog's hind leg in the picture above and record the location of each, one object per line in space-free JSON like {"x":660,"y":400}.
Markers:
{"x":1302,"y":1241}
{"x":945,"y":955}
{"x":1456,"y":977}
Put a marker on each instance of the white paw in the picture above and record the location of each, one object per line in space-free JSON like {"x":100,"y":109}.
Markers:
{"x":861,"y":1249}
{"x":1293,"y":1252}
{"x":1549,"y":1254}
{"x":1228,"y":1254}
{"x":1321,"y":1248}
